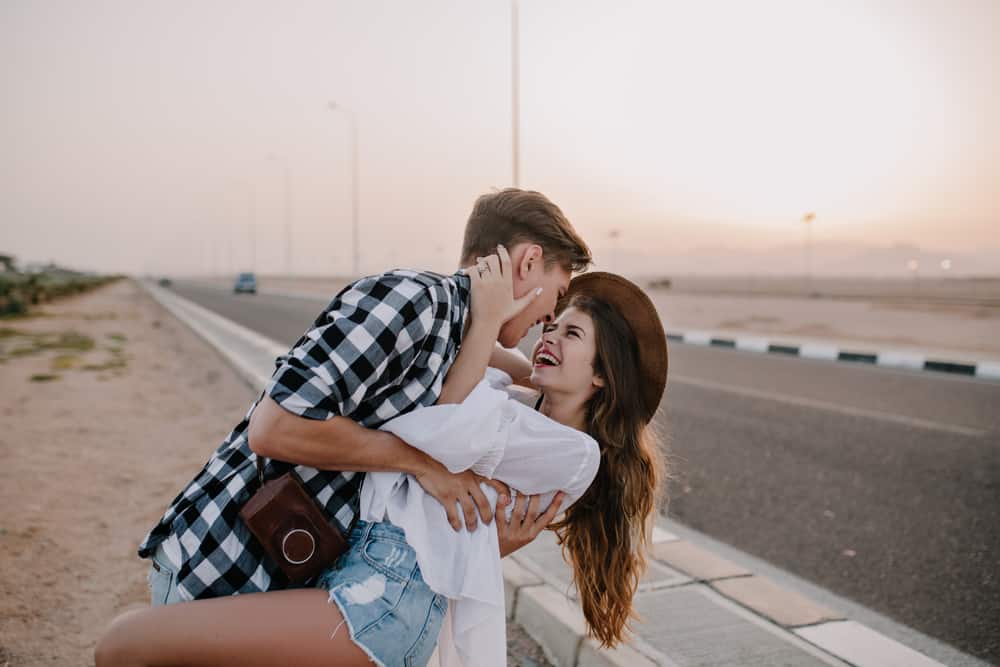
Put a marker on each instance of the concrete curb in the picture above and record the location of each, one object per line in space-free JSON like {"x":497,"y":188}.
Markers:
{"x":538,"y":602}
{"x":921,"y":361}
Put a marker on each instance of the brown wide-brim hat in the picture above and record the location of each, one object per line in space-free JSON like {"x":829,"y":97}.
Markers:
{"x":639,"y":312}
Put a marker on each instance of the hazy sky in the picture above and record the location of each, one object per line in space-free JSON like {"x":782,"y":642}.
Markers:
{"x":136,"y":135}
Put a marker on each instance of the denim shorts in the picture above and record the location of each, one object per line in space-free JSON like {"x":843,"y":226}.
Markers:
{"x":162,"y":579}
{"x":388,"y":609}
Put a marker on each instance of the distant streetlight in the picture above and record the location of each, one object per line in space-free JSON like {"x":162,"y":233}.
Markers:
{"x":946,"y":265}
{"x":614,"y":235}
{"x":914,"y":266}
{"x":515,"y":95}
{"x":356,"y":244}
{"x":287,"y":209}
{"x":251,"y":222}
{"x":807,"y":221}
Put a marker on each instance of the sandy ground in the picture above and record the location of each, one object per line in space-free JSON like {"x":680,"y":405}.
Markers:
{"x":91,"y":459}
{"x":109,"y":406}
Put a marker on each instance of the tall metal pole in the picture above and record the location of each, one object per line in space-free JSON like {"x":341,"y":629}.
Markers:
{"x":807,"y":220}
{"x":355,"y":227}
{"x":253,"y":231}
{"x":286,"y":175}
{"x":355,"y":189}
{"x":251,"y":222}
{"x":515,"y":95}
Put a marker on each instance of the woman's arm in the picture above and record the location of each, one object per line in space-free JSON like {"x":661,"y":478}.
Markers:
{"x":473,"y":357}
{"x":492,"y":304}
{"x":513,"y":363}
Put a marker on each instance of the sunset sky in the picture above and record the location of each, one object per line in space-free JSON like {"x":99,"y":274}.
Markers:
{"x":150,"y":136}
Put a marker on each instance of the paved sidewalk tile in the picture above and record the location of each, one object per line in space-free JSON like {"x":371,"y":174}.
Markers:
{"x":695,"y":626}
{"x":863,"y":647}
{"x":591,"y":655}
{"x":695,"y":561}
{"x":544,"y":558}
{"x":781,"y":605}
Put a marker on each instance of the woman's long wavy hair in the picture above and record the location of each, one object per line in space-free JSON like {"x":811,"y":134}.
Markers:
{"x":604,"y":534}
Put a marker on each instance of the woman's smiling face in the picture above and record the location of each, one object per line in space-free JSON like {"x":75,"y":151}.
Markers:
{"x":563,"y":358}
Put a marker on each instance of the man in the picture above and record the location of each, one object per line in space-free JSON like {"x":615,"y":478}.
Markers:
{"x":382,"y":347}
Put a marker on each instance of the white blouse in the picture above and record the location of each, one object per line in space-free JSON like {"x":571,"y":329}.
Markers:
{"x":498,"y":437}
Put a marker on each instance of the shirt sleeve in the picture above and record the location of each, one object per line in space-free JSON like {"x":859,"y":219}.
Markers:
{"x":543,"y":457}
{"x":497,"y":378}
{"x":366,"y":339}
{"x":461,"y":436}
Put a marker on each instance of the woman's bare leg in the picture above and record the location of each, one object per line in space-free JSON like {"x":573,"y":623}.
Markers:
{"x":297,"y":627}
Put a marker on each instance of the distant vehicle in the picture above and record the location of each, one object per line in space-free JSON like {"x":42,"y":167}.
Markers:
{"x":245,"y":282}
{"x":165,"y":282}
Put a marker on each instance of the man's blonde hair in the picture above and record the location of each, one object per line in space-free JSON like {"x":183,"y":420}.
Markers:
{"x":511,"y":216}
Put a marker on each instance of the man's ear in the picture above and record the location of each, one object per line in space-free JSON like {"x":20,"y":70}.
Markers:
{"x":529,"y":260}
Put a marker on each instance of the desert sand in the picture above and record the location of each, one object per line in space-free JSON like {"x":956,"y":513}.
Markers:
{"x":93,"y":450}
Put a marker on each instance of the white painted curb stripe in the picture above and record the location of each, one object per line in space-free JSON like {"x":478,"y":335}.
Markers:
{"x":819,"y":351}
{"x":752,"y":344}
{"x":989,"y":369}
{"x":697,"y":337}
{"x":863,"y":647}
{"x":902,"y":360}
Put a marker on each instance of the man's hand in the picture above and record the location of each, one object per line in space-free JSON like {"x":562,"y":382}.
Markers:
{"x":525,"y":522}
{"x":454,"y":490}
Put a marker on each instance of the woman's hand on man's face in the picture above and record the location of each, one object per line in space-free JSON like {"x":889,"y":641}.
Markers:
{"x":492,"y":284}
{"x":525,"y":521}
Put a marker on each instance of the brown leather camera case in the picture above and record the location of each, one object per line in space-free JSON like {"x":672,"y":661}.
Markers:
{"x":292,"y":529}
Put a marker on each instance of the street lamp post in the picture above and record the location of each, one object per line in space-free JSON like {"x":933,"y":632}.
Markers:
{"x":515,"y":95}
{"x":286,"y":173}
{"x":614,"y":235}
{"x":914,"y":267}
{"x":355,"y":231}
{"x":252,"y":223}
{"x":807,"y":219}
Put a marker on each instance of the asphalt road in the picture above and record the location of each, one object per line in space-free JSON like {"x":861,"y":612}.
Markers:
{"x":882,"y":486}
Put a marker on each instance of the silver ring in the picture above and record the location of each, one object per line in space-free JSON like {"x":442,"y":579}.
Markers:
{"x":284,"y":552}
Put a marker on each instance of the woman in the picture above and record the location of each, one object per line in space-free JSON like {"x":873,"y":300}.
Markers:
{"x":601,"y":370}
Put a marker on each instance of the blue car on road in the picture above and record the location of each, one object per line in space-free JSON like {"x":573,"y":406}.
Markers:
{"x":245,"y":282}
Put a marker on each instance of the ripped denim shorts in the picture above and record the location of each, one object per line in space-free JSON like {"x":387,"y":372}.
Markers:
{"x":388,"y":609}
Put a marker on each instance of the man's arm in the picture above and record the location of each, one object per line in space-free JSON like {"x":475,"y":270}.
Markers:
{"x":340,"y":443}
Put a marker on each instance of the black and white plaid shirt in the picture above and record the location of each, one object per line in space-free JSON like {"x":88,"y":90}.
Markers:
{"x":381,"y":348}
